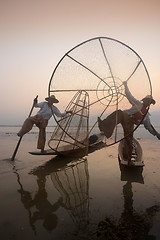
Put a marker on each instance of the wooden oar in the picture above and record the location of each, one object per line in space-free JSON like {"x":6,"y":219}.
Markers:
{"x":16,"y":149}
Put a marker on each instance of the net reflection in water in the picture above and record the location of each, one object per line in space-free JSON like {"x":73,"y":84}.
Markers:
{"x":73,"y":185}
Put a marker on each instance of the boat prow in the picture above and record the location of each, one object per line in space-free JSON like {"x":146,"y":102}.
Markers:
{"x":46,"y":152}
{"x":137,"y":159}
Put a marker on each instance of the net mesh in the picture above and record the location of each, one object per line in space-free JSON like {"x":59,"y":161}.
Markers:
{"x":72,"y":183}
{"x":99,"y":66}
{"x":71,"y":132}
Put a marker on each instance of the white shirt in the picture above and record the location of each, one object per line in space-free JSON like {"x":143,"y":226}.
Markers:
{"x":137,"y":106}
{"x":46,"y":112}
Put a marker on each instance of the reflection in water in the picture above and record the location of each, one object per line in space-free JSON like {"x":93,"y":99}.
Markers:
{"x":25,"y":198}
{"x":131,"y":174}
{"x":38,"y":207}
{"x":71,"y":179}
{"x":73,"y":185}
{"x":131,"y":225}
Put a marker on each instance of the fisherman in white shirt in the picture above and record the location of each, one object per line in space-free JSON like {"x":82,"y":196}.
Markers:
{"x":128,"y":118}
{"x":41,"y":119}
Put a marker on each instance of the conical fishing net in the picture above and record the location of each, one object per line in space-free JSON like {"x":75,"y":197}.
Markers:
{"x":71,"y":132}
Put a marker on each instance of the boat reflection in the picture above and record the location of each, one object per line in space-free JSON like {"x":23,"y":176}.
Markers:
{"x":132,"y":224}
{"x":71,"y":179}
{"x":133,"y":174}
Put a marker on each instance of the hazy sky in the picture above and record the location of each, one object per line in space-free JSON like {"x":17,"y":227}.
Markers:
{"x":35,"y":34}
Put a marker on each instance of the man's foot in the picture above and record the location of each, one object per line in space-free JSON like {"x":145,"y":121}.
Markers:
{"x":43,"y":151}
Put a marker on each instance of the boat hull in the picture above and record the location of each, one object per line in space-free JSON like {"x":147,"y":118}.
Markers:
{"x":137,"y":158}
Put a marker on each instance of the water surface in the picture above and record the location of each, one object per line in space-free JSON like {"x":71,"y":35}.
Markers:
{"x":67,"y":198}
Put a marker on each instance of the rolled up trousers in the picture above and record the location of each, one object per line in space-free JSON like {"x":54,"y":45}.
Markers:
{"x":41,"y":123}
{"x":108,"y":125}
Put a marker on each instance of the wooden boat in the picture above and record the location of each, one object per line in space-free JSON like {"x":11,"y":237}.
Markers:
{"x":95,"y":142}
{"x":64,"y":150}
{"x":136,"y":158}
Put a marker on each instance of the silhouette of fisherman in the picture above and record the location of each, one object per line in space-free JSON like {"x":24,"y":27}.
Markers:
{"x":137,"y":114}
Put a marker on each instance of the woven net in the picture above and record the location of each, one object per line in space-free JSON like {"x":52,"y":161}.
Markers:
{"x":71,"y":132}
{"x":72,"y":183}
{"x":99,"y":67}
